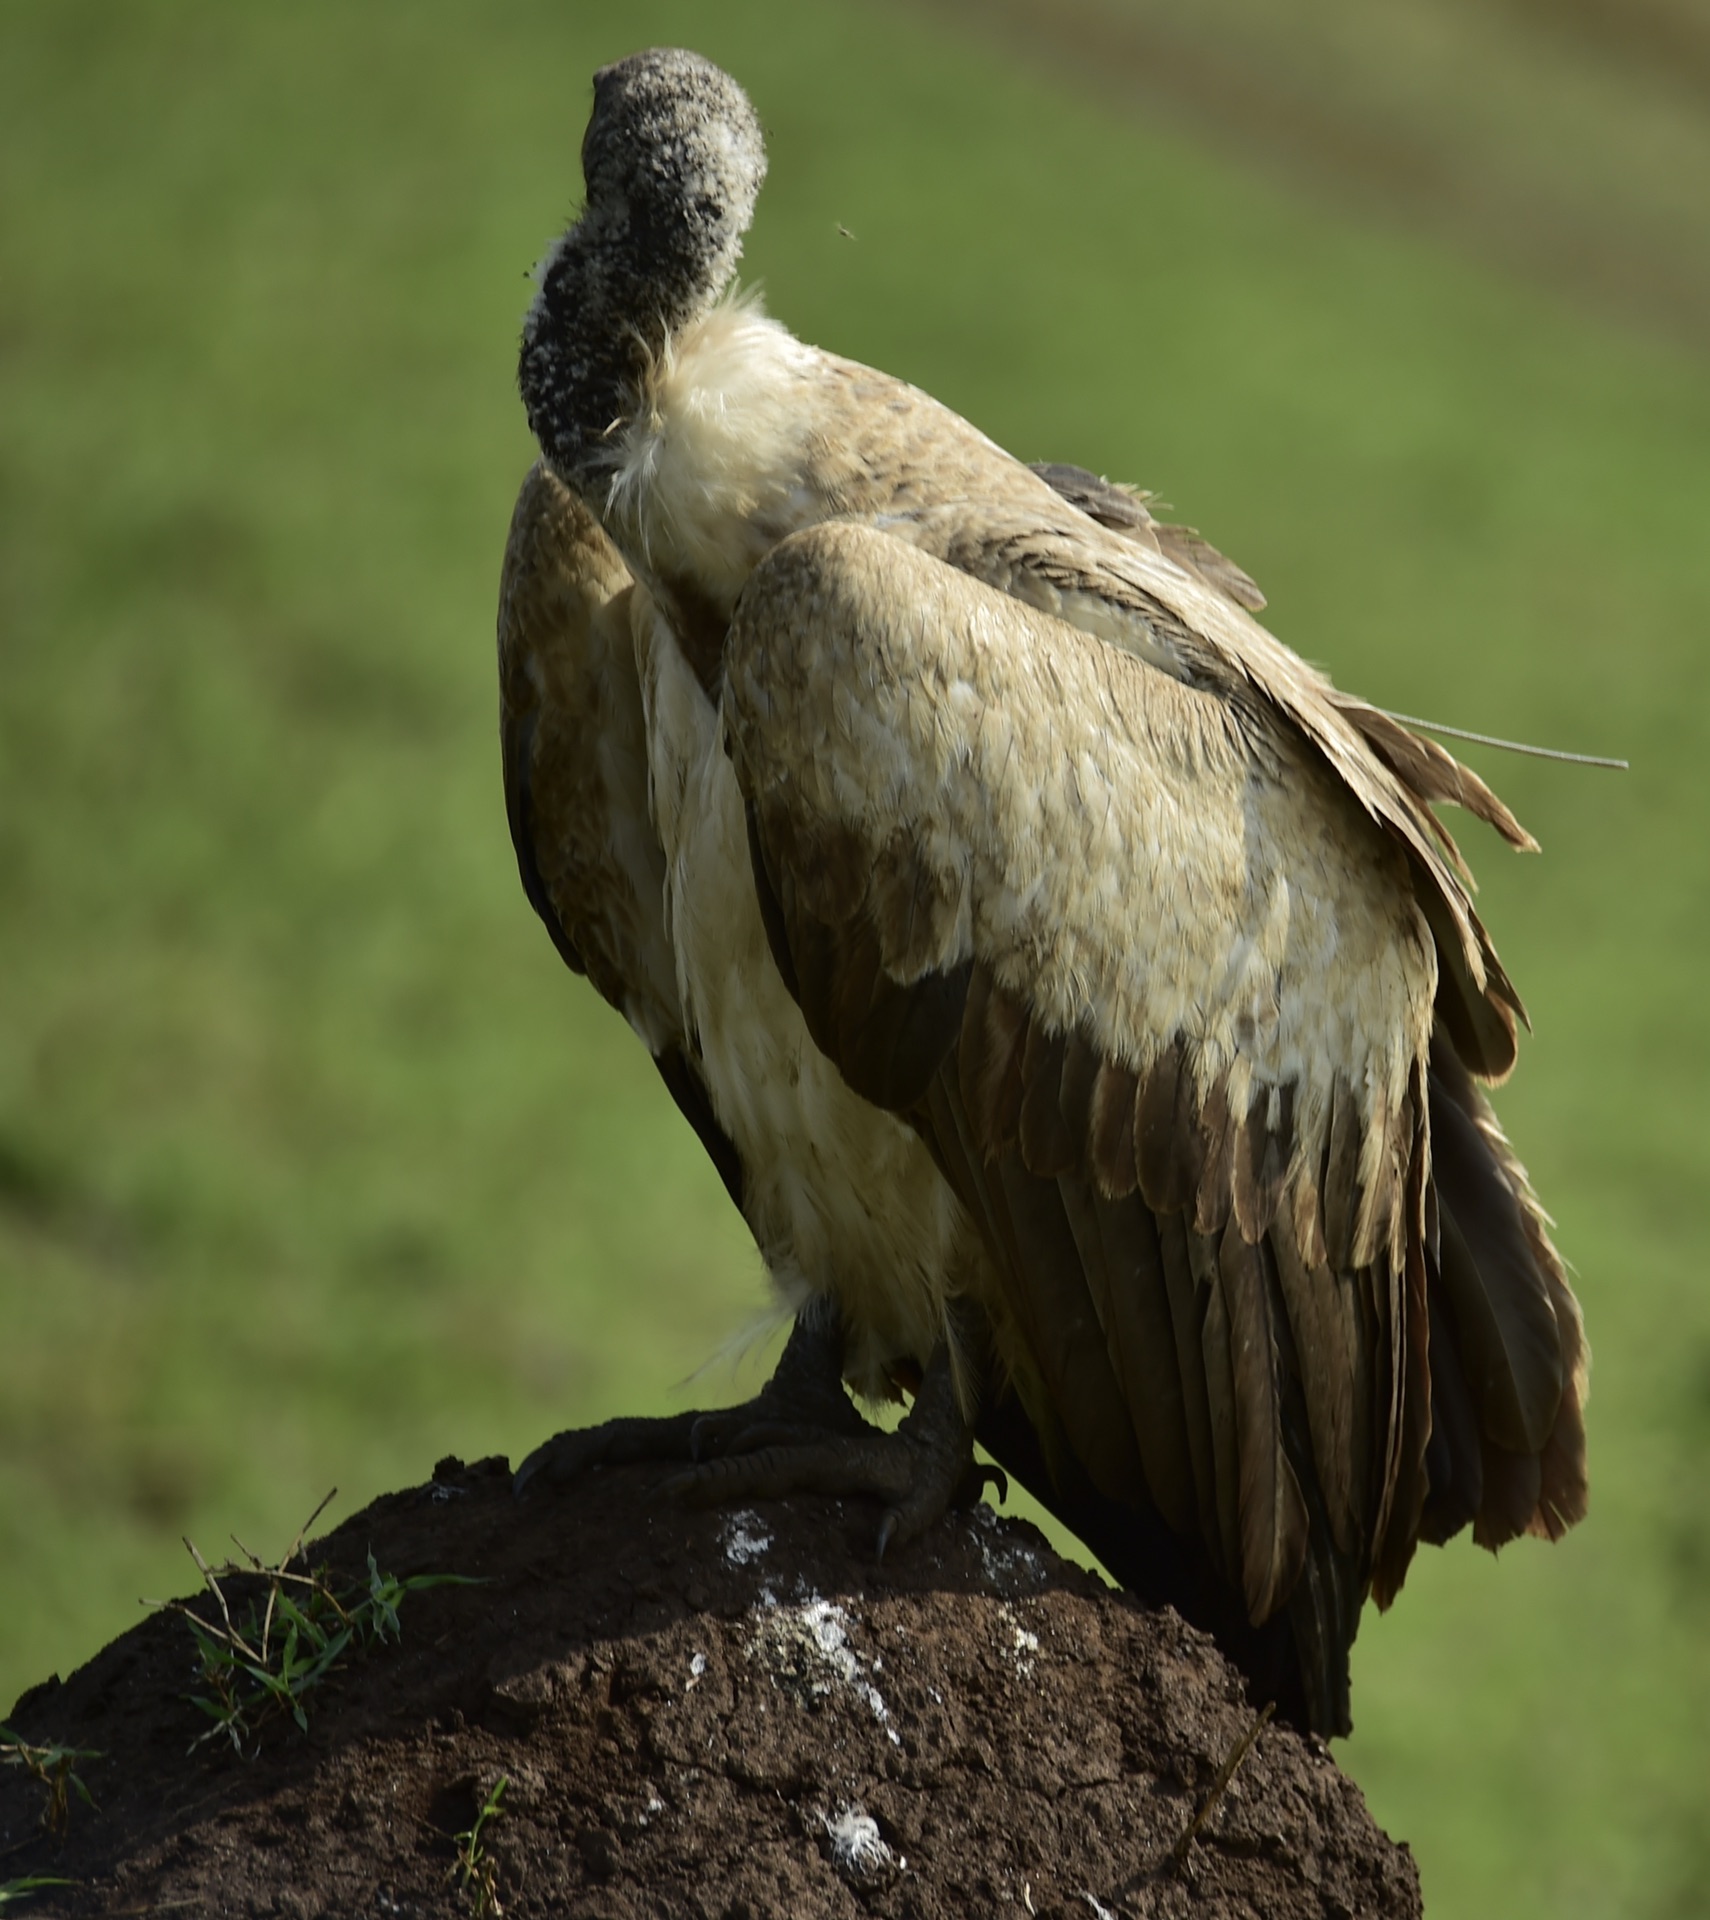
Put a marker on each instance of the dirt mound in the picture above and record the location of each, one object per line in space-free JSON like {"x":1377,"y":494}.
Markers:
{"x":701,"y":1714}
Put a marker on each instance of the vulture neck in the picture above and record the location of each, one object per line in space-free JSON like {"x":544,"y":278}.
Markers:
{"x":608,"y":306}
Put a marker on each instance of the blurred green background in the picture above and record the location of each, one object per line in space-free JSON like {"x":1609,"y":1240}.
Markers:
{"x":314,"y":1164}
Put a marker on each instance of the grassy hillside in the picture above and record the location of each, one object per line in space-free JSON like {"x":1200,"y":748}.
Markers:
{"x":1563,"y":140}
{"x":313,"y":1163}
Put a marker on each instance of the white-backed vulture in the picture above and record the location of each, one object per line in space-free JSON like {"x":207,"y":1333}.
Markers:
{"x":1077,"y":993}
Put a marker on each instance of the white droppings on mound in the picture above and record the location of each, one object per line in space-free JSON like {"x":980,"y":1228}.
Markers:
{"x":806,"y":1649}
{"x":744,"y":1538}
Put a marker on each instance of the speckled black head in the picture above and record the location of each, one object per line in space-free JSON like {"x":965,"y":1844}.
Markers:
{"x":674,"y":144}
{"x":673,"y":160}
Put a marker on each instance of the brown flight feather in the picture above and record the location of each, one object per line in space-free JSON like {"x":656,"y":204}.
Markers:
{"x":1273,"y":1512}
{"x":1165,"y":1132}
{"x":1226,"y":1415}
{"x":1324,"y":1316}
{"x":1110,"y":1129}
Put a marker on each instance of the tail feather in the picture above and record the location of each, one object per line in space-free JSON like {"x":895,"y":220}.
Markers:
{"x":1507,"y":1339}
{"x":1454,"y":1455}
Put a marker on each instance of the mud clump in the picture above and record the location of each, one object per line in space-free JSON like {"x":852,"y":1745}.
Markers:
{"x":723,"y":1716}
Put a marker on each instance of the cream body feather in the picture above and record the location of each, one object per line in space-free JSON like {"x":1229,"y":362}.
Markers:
{"x":816,"y":1154}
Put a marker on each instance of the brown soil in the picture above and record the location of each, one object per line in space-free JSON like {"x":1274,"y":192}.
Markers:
{"x":705,"y":1714}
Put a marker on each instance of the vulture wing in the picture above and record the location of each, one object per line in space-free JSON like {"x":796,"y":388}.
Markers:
{"x":574,"y":748}
{"x":1039,"y":548}
{"x":1146,"y":939}
{"x":1128,"y":510}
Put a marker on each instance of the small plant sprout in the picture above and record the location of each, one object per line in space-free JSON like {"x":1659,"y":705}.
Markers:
{"x":475,"y":1871}
{"x":14,"y":1890}
{"x":281,"y":1648}
{"x":56,"y":1768}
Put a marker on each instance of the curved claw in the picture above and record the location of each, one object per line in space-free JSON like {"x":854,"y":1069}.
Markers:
{"x":928,"y":1496}
{"x":558,"y":1459}
{"x":982,"y":1474}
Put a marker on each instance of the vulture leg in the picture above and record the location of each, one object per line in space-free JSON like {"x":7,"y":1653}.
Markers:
{"x":801,"y":1405}
{"x":803,"y":1402}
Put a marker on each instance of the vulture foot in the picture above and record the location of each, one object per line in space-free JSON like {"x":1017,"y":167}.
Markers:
{"x":803,"y":1404}
{"x":800,"y":1434}
{"x":920,"y":1471}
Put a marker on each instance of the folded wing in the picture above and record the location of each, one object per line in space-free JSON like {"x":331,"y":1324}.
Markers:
{"x":1153,"y":964}
{"x":573,"y":738}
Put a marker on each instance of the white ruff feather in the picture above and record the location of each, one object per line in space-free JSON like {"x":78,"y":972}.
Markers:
{"x":708,"y":473}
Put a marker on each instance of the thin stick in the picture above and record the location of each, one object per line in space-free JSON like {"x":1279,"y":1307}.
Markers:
{"x":290,"y":1555}
{"x":233,"y":1637}
{"x":1225,"y":1773}
{"x":327,"y":1499}
{"x":1508,"y":746}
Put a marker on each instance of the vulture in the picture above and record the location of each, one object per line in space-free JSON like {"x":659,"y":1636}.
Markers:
{"x":1077,"y":993}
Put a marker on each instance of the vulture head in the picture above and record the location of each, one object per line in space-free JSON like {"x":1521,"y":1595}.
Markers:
{"x":673,"y":160}
{"x":674,"y":152}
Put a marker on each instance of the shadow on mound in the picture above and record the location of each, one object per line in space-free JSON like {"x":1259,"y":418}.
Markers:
{"x":714,"y":1715}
